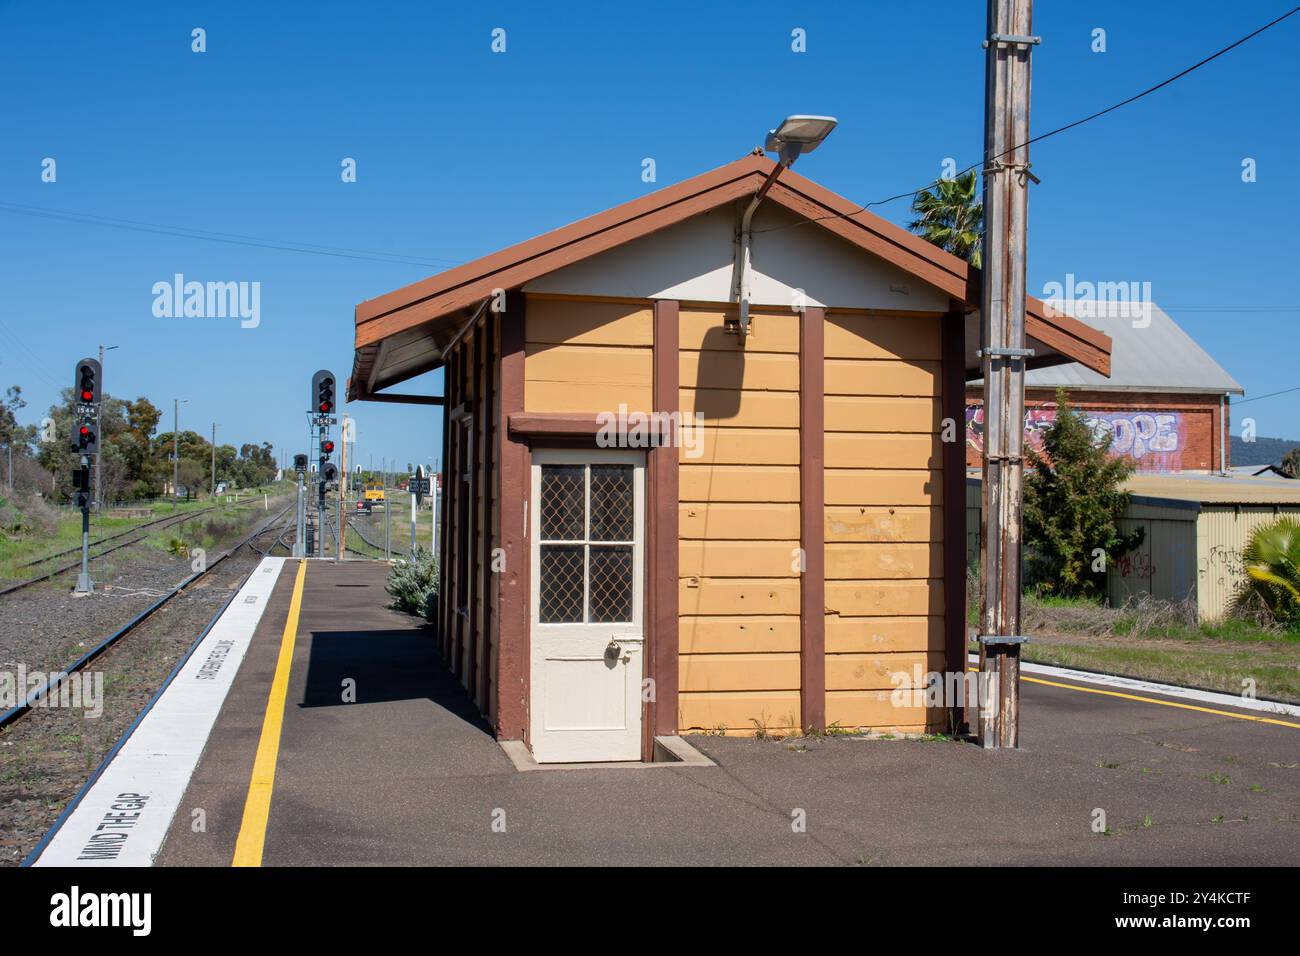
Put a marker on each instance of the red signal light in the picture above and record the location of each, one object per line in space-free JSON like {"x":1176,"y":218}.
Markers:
{"x":87,"y":395}
{"x":85,"y":430}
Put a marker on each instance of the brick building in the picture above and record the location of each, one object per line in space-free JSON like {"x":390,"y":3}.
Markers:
{"x":1165,"y":404}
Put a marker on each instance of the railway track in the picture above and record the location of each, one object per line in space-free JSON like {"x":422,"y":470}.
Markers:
{"x":25,"y":706}
{"x":152,"y":526}
{"x":155,"y":523}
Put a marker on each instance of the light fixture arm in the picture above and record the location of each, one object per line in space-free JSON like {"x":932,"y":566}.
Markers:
{"x":789,"y":153}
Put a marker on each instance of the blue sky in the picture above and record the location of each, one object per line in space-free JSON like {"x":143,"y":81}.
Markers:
{"x":461,"y":151}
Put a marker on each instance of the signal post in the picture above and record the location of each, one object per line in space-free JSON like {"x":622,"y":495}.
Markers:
{"x":88,"y":392}
{"x":323,"y":406}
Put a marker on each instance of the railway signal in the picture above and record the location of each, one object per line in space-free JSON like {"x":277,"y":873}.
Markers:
{"x":300,"y":463}
{"x":87,"y":382}
{"x":321,"y":418}
{"x":84,"y":439}
{"x":322,"y":390}
{"x":86,"y":387}
{"x":81,"y":487}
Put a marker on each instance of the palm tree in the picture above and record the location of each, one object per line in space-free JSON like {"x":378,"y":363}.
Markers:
{"x":951,"y":217}
{"x":1272,"y":559}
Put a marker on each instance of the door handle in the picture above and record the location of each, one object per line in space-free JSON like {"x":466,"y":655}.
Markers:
{"x":612,"y":651}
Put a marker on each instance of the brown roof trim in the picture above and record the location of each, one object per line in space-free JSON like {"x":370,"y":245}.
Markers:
{"x":468,"y":284}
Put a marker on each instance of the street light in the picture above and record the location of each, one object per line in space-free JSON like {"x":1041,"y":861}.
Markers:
{"x":795,"y":136}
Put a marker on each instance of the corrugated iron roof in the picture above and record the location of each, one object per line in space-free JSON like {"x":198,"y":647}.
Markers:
{"x":1215,"y":489}
{"x":1159,"y":357}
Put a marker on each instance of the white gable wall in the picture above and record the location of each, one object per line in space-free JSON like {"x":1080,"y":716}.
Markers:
{"x":693,"y":261}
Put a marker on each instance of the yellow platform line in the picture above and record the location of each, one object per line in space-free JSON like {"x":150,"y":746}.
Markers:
{"x":257,"y":806}
{"x":1162,"y":703}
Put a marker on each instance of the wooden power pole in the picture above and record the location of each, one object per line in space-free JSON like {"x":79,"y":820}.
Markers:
{"x":1003,"y":352}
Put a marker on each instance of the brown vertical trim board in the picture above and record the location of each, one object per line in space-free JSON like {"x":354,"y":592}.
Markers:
{"x":451,"y":532}
{"x":469,"y":527}
{"x":513,"y":475}
{"x":488,"y":433}
{"x":953,"y":376}
{"x":812,"y":518}
{"x":443,"y":575}
{"x":465,"y":653}
{"x":661,"y":506}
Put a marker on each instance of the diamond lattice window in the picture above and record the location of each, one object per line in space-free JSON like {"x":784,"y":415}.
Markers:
{"x":587,"y":515}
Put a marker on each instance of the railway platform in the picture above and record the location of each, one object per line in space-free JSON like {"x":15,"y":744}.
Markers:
{"x":308,"y":705}
{"x":315,"y":726}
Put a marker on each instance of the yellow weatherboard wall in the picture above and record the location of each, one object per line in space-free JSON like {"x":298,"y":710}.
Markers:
{"x":884,"y":527}
{"x":738,"y":529}
{"x":582,"y":356}
{"x":739,"y":500}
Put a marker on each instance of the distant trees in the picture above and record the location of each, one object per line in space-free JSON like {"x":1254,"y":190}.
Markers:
{"x":1072,"y":505}
{"x":252,"y":465}
{"x":1291,"y":463}
{"x":134,"y":462}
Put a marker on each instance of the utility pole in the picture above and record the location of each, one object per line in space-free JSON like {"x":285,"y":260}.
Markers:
{"x":176,"y":449}
{"x":1002,"y":349}
{"x":99,"y":427}
{"x":214,"y":459}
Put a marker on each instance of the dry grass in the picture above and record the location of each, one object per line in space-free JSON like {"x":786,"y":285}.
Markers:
{"x":1163,"y":641}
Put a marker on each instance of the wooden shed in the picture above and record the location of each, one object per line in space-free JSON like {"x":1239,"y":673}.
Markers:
{"x":655,"y":524}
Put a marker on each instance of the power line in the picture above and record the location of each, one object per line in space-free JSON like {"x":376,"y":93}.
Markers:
{"x":1060,"y":129}
{"x":226,"y":237}
{"x":1229,"y":309}
{"x":1259,"y":398}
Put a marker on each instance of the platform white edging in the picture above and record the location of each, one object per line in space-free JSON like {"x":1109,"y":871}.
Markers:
{"x":124,"y":817}
{"x":1168,"y":690}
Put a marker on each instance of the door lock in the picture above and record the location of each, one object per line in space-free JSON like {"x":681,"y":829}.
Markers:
{"x":612,"y":651}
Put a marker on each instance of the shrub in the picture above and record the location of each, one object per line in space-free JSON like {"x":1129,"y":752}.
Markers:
{"x":1272,"y":560}
{"x":1072,"y":504}
{"x":413,"y":583}
{"x":22,"y":515}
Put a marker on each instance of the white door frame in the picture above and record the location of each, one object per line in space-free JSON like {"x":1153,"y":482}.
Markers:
{"x":588,"y":642}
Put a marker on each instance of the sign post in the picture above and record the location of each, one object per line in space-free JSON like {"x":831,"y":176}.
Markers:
{"x":417,"y":496}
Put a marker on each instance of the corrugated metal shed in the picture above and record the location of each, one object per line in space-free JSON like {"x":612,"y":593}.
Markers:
{"x":1217,"y":490}
{"x":1155,"y":357}
{"x":1196,"y":527}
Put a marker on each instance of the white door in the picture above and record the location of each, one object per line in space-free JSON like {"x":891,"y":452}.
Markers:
{"x":588,"y":554}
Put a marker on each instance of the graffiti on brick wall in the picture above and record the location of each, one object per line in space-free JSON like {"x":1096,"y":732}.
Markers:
{"x":1153,"y":439}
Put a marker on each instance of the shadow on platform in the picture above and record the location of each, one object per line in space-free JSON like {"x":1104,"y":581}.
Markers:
{"x":383,"y":665}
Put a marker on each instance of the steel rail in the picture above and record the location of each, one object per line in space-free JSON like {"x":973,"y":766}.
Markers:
{"x":17,"y":711}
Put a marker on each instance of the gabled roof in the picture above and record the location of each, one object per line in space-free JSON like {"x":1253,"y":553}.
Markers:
{"x":400,"y":334}
{"x":1153,"y":354}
